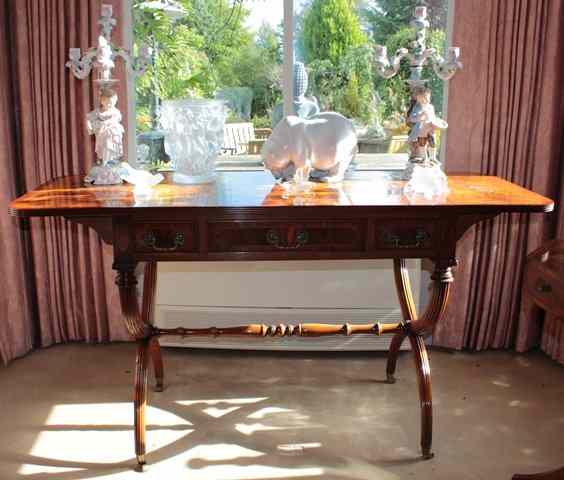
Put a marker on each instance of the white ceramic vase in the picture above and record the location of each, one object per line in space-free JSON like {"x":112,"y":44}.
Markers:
{"x":193,"y":137}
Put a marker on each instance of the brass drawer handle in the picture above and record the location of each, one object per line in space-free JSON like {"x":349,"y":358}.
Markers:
{"x":396,"y":241}
{"x":273,"y":238}
{"x":150,"y":241}
{"x":543,"y":287}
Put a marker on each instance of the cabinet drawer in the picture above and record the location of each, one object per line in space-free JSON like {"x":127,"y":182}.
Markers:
{"x":333,"y":236}
{"x":165,"y":238}
{"x":408,"y":234}
{"x":545,"y":290}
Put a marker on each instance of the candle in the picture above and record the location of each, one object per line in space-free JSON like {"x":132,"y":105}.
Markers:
{"x":453,"y":53}
{"x":421,"y":12}
{"x":74,"y":53}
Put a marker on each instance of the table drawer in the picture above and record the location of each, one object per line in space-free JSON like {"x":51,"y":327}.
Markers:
{"x":287,"y":236}
{"x":165,"y":237}
{"x":403,"y":235}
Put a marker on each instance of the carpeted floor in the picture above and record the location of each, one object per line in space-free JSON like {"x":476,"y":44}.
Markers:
{"x":66,"y":414}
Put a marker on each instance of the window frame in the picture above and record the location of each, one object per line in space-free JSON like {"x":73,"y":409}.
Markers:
{"x":287,"y":74}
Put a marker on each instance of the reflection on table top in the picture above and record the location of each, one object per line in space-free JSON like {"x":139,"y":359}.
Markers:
{"x":69,"y":196}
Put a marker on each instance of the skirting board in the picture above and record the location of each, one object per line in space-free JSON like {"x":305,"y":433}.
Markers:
{"x":169,"y":316}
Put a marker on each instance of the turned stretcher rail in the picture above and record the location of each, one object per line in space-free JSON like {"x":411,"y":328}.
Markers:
{"x":301,"y":330}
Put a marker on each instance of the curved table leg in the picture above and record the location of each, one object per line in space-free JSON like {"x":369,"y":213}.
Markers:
{"x":149,"y":292}
{"x":140,"y":399}
{"x":395,"y":346}
{"x":142,"y":331}
{"x":409,"y":313}
{"x":553,"y":475}
{"x":416,"y":330}
{"x":157,"y":358}
{"x":424,"y":381}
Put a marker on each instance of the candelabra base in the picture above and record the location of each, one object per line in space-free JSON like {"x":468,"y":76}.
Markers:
{"x":427,"y":181}
{"x":103,"y":175}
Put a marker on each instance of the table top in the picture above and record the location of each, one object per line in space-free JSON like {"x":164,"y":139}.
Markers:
{"x":69,"y":196}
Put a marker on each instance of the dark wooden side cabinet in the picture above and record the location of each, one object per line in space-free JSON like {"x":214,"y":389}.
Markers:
{"x":544,"y":288}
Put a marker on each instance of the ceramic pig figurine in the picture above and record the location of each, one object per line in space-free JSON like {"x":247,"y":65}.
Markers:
{"x":327,"y":141}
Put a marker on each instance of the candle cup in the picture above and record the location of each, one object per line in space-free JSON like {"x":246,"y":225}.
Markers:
{"x":381,"y":52}
{"x":421,"y":12}
{"x":74,"y":54}
{"x":107,"y":10}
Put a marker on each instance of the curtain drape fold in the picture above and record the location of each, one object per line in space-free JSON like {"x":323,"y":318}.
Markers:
{"x":506,"y":119}
{"x":75,"y":296}
{"x":16,"y":326}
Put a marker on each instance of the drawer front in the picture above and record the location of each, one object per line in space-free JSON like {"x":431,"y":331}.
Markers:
{"x":403,"y":235}
{"x":166,"y":238}
{"x":545,"y":290}
{"x":333,"y":236}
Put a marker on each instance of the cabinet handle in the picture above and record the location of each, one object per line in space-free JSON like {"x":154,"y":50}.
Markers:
{"x":413,"y":241}
{"x":543,"y":287}
{"x":150,"y":241}
{"x":273,"y":238}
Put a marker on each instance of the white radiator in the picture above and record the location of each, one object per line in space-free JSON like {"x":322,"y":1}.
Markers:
{"x":236,"y":293}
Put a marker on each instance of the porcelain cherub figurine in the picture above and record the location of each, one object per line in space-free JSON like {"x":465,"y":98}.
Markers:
{"x":423,"y":122}
{"x":105,"y":124}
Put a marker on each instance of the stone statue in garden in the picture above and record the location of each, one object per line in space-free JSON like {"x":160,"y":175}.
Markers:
{"x":303,"y":107}
{"x":423,"y":122}
{"x":238,"y":99}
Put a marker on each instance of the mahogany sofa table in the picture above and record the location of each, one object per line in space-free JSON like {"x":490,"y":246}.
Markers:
{"x":245,"y":216}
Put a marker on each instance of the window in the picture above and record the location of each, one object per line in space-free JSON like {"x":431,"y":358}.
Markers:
{"x":245,"y":53}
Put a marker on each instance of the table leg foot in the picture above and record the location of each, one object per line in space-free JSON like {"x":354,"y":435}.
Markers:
{"x":140,"y":463}
{"x":157,"y":357}
{"x":140,"y":399}
{"x":424,"y":381}
{"x":427,"y":455}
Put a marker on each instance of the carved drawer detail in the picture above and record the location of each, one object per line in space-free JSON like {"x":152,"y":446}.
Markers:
{"x":408,"y":234}
{"x":281,"y":236}
{"x":165,"y":238}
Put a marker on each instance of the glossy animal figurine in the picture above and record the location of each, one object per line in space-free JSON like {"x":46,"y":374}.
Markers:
{"x":327,"y":141}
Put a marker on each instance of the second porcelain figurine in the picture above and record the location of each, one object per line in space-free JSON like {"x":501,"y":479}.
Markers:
{"x":423,"y":123}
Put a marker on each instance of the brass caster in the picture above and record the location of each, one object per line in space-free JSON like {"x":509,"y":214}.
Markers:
{"x":428,"y":455}
{"x":141,"y":464}
{"x":391,"y":378}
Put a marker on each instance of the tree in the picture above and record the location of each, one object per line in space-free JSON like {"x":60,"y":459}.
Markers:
{"x":330,"y":29}
{"x":386,"y":17}
{"x":339,"y":58}
{"x":191,"y":51}
{"x":257,"y":65}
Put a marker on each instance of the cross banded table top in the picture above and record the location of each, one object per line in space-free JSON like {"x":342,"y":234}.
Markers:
{"x":69,"y":196}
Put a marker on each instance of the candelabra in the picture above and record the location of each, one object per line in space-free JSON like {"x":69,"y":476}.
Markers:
{"x":421,"y":118}
{"x":105,"y":121}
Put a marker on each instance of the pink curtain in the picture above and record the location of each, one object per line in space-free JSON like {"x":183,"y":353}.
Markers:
{"x":506,"y":118}
{"x":75,"y":296}
{"x":16,"y":327}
